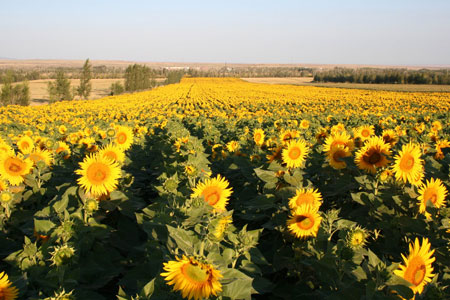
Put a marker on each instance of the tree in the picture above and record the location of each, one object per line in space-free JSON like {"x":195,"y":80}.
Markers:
{"x":174,"y":77}
{"x":116,"y":88}
{"x":60,"y":89}
{"x":18,"y":94}
{"x":137,"y":77}
{"x":84,"y":90}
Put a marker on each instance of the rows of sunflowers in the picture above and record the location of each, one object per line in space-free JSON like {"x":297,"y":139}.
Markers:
{"x":219,"y":188}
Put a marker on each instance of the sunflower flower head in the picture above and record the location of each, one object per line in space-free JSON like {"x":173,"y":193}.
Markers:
{"x":373,"y":155}
{"x":7,"y":290}
{"x":214,"y":191}
{"x":306,"y":197}
{"x":408,"y":166}
{"x":304,"y":222}
{"x":432,"y":193}
{"x":295,"y":153}
{"x":417,"y":268}
{"x":99,"y":175}
{"x":13,"y":167}
{"x":194,"y":279}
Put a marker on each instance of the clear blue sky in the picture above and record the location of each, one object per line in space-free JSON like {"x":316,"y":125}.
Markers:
{"x":398,"y":32}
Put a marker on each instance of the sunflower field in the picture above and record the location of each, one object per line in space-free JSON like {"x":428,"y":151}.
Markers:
{"x":219,"y":188}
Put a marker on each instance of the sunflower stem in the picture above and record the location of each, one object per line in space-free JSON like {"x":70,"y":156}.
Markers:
{"x":202,"y":248}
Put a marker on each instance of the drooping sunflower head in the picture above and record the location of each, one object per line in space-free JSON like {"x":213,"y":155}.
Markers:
{"x":13,"y":168}
{"x":214,"y":191}
{"x":7,"y":290}
{"x":99,"y":175}
{"x":221,"y":225}
{"x":25,"y":144}
{"x":192,"y":278}
{"x":433,"y":191}
{"x":304,"y":222}
{"x":408,"y":165}
{"x":335,"y":156}
{"x":373,"y":155}
{"x":258,"y":136}
{"x":309,"y":196}
{"x":295,"y":153}
{"x":112,"y":152}
{"x":124,"y":137}
{"x":417,"y":268}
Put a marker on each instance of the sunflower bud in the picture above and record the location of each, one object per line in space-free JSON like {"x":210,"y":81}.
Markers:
{"x":62,"y":255}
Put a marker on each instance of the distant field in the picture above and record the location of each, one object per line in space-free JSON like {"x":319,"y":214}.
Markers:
{"x":54,"y":63}
{"x":307,"y":81}
{"x":100,"y":88}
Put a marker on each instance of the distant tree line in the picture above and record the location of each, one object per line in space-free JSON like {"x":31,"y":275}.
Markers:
{"x":14,"y":94}
{"x":374,"y":75}
{"x":8,"y":75}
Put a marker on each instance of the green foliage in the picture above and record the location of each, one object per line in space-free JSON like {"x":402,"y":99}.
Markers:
{"x":60,"y":89}
{"x":174,"y":77}
{"x":17,"y":94}
{"x":137,"y":77}
{"x":372,"y":75}
{"x":116,"y":88}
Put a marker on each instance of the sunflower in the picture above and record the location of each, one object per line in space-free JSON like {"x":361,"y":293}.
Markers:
{"x":357,"y":237}
{"x":390,"y":137}
{"x":408,"y":165}
{"x":304,"y":124}
{"x":294,"y":154}
{"x":112,"y":152}
{"x":5,"y":148}
{"x":373,"y":154}
{"x":321,"y":135}
{"x":7,"y":291}
{"x":13,"y":168}
{"x":306,"y":197}
{"x":276,"y":155}
{"x":335,"y":156}
{"x":338,"y":139}
{"x":41,"y":155}
{"x":63,"y":148}
{"x":99,"y":175}
{"x":124,"y":137}
{"x":25,"y":144}
{"x":3,"y":185}
{"x":433,"y":191}
{"x":62,"y":129}
{"x":288,"y":135}
{"x":221,"y":226}
{"x":364,"y":132}
{"x":193,"y":278}
{"x":417,"y":268}
{"x":304,"y":222}
{"x":258,"y":137}
{"x":214,"y":191}
{"x":232,"y":146}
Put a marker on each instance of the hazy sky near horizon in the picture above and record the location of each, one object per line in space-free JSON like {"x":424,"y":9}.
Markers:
{"x":396,"y":32}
